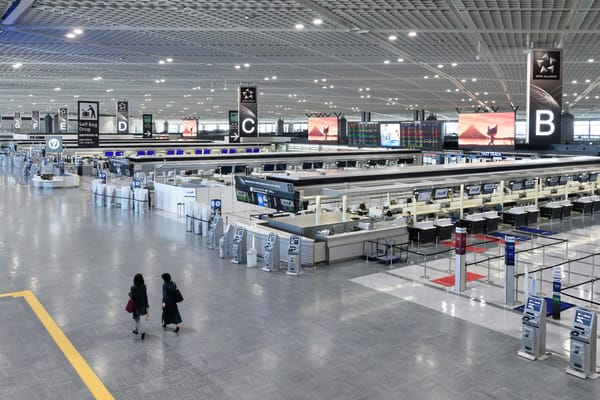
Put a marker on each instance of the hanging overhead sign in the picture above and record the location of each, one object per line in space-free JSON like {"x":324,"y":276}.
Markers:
{"x":88,"y":124}
{"x":17,"y":122}
{"x":247,"y":111}
{"x":147,"y":125}
{"x":63,"y":120}
{"x":544,"y":95}
{"x":35,"y":121}
{"x":53,"y":144}
{"x":234,"y":134}
{"x":122,"y":117}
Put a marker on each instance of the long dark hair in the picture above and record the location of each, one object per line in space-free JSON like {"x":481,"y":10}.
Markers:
{"x":138,"y":279}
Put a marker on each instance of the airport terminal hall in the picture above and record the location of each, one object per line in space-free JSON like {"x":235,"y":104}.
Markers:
{"x":299,"y":199}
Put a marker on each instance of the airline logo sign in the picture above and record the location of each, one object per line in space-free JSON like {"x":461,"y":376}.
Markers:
{"x":63,"y":120}
{"x":247,"y":111}
{"x":54,"y":144}
{"x":544,"y":95}
{"x":35,"y":121}
{"x":122,"y":117}
{"x":88,"y":124}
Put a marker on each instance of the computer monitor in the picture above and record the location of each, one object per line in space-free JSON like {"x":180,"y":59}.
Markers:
{"x":473,"y":190}
{"x":307,"y":165}
{"x":515,"y":185}
{"x":318,"y":164}
{"x":226,"y":169}
{"x":382,"y":162}
{"x":341,"y":164}
{"x":551,"y":180}
{"x":119,"y":154}
{"x":109,"y":154}
{"x":150,"y":153}
{"x":528,"y":184}
{"x":256,"y":150}
{"x":206,"y":151}
{"x":248,"y":150}
{"x":583,"y":317}
{"x":423,"y":195}
{"x":268,"y":167}
{"x":232,"y":151}
{"x":170,"y":152}
{"x":281,"y":167}
{"x":440,"y":193}
{"x":593,"y":176}
{"x":351,"y":163}
{"x":224,"y":151}
{"x":488,"y":188}
{"x":141,"y":152}
{"x":563,"y":180}
{"x":198,"y":151}
{"x":584,"y":177}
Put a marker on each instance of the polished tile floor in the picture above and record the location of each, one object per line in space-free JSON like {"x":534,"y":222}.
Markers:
{"x":354,"y":330}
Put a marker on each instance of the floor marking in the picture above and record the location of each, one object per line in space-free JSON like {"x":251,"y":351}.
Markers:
{"x":88,"y":376}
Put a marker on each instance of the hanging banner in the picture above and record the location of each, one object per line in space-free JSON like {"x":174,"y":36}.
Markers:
{"x":247,"y":111}
{"x":147,"y":125}
{"x":190,"y":128}
{"x":122,"y":117}
{"x":63,"y":120}
{"x":88,"y":124}
{"x":234,"y":134}
{"x":35,"y":121}
{"x":544,"y":95}
{"x":17,"y":122}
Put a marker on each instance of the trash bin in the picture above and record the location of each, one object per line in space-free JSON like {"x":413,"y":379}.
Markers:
{"x":251,"y":258}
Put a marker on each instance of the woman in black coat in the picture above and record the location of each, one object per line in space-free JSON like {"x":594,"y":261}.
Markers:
{"x":170,"y":314}
{"x":140,"y":304}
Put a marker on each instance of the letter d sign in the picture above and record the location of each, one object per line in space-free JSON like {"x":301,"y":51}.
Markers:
{"x":122,"y":126}
{"x":544,"y":118}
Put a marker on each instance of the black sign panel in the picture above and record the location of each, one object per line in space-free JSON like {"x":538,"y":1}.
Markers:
{"x":17,"y":122}
{"x":122,"y":117}
{"x":544,"y":96}
{"x":88,"y":124}
{"x":63,"y":120}
{"x":147,"y":125}
{"x":248,"y":111}
{"x":234,"y":134}
{"x":267,"y":193}
{"x":35,"y":121}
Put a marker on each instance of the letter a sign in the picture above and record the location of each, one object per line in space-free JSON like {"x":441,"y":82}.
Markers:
{"x":544,"y":96}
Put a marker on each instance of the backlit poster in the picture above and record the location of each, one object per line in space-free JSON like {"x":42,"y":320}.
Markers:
{"x":494,"y":131}
{"x":248,"y":111}
{"x":190,"y":128}
{"x":323,"y":129}
{"x":390,"y":134}
{"x":234,"y":134}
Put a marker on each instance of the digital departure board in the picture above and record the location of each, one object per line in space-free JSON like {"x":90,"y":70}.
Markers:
{"x":363,"y":134}
{"x":421,"y":135}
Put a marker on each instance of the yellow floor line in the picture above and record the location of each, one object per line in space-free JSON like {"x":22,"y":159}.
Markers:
{"x":89,"y":377}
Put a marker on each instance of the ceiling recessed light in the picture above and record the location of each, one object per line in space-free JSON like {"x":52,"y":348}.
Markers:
{"x":590,"y":60}
{"x":587,"y":81}
{"x":238,"y":67}
{"x":299,"y":26}
{"x":77,"y":31}
{"x":440,"y":65}
{"x":17,"y":65}
{"x":463,"y":80}
{"x":412,"y":34}
{"x":266,"y":78}
{"x":573,"y":81}
{"x":169,"y":60}
{"x":57,"y":89}
{"x":401,"y":60}
{"x":273,"y":77}
{"x":71,"y":35}
{"x":454,"y":64}
{"x":161,"y":61}
{"x":324,"y":80}
{"x":246,"y":65}
{"x":386,"y":61}
{"x":317,"y":21}
{"x":474,"y":80}
{"x":392,"y":37}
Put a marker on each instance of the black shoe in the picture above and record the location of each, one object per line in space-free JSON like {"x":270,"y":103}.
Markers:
{"x":143,"y":335}
{"x":176,"y":329}
{"x":135,"y":331}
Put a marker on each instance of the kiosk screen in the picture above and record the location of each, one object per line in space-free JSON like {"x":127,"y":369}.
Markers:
{"x":583,"y":318}
{"x":534,"y":304}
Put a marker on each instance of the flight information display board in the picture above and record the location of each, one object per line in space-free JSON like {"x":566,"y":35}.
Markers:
{"x":279,"y":196}
{"x":421,"y":135}
{"x":363,"y":134}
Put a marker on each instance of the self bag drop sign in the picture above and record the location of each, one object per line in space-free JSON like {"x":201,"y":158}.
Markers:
{"x":544,"y":95}
{"x":247,"y":111}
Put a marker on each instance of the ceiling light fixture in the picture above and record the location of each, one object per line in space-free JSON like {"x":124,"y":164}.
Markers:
{"x":454,"y":64}
{"x":401,"y":60}
{"x":590,"y":60}
{"x":169,"y":60}
{"x":317,"y":21}
{"x":238,"y":67}
{"x":412,"y":34}
{"x":77,"y":31}
{"x":391,"y":38}
{"x":17,"y":65}
{"x":386,"y":61}
{"x":246,"y":65}
{"x":299,"y":26}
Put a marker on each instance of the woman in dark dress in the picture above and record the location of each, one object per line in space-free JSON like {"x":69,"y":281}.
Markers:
{"x":170,"y":314}
{"x":140,"y":304}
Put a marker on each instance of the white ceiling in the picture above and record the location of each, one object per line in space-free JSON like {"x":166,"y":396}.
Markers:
{"x":123,"y":41}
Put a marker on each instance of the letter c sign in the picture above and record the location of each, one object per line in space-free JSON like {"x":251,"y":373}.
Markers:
{"x":248,"y":126}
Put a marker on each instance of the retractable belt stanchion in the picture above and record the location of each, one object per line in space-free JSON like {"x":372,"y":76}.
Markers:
{"x":460,"y":273}
{"x":509,"y":270}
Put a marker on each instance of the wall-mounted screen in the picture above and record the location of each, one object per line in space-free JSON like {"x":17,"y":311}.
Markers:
{"x":421,"y":135}
{"x":495,"y":131}
{"x":363,"y":134}
{"x":323,"y":129}
{"x":440,"y":193}
{"x":473,"y":190}
{"x":266,"y":193}
{"x":119,"y":154}
{"x":423,"y":195}
{"x":390,"y":134}
{"x":488,"y":188}
{"x":108,"y":154}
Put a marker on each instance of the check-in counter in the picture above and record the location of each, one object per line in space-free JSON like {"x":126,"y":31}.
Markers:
{"x":443,"y":228}
{"x":567,"y":207}
{"x":552,"y":210}
{"x":516,"y":216}
{"x":532,"y":214}
{"x":583,"y":205}
{"x":492,"y":220}
{"x":422,"y":232}
{"x":475,"y":223}
{"x":596,"y":203}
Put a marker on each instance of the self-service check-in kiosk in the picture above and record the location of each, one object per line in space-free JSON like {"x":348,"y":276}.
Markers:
{"x":533,"y":335}
{"x":215,"y":231}
{"x":271,"y":253}
{"x":582,"y":360}
{"x":294,"y":267}
{"x":225,"y":242}
{"x":238,"y":248}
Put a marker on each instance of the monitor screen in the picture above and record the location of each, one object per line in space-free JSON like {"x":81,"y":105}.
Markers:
{"x":224,"y":151}
{"x":515,"y":185}
{"x":238,"y":169}
{"x":119,"y":154}
{"x":551,"y":180}
{"x":473,"y":190}
{"x":363,"y":134}
{"x":248,"y":150}
{"x":256,"y":150}
{"x":584,"y":177}
{"x":318,"y":164}
{"x":583,"y":317}
{"x":563,"y":180}
{"x":141,"y":152}
{"x":390,"y":134}
{"x":494,"y":131}
{"x":108,"y":154}
{"x":323,"y":129}
{"x":150,"y":152}
{"x":440,"y":193}
{"x":262,"y":200}
{"x":198,"y":151}
{"x":528,"y":184}
{"x":170,"y":152}
{"x":593,"y":176}
{"x":421,"y":135}
{"x":206,"y":151}
{"x":351,"y":163}
{"x":232,"y":151}
{"x":423,"y":195}
{"x":341,"y":164}
{"x":280,"y":167}
{"x":226,"y":169}
{"x":269,"y":167}
{"x":306,"y":165}
{"x":488,"y":188}
{"x":179,"y":152}
{"x":534,"y":304}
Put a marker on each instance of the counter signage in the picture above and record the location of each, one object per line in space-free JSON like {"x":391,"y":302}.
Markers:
{"x":63,"y":120}
{"x":247,"y":111}
{"x":88,"y":124}
{"x":461,"y":241}
{"x":122,"y":117}
{"x":509,"y":250}
{"x":147,"y":125}
{"x":35,"y":121}
{"x":267,"y":193}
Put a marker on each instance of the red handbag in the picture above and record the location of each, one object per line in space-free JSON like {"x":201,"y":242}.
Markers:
{"x":129,"y":307}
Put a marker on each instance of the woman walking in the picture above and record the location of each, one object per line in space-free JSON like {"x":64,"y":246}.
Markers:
{"x":140,"y":304}
{"x":170,"y":314}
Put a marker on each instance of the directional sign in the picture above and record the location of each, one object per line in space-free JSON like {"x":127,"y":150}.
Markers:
{"x":234,"y":135}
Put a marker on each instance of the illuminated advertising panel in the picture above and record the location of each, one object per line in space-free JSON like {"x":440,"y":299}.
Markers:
{"x":323,"y":129}
{"x":490,"y":130}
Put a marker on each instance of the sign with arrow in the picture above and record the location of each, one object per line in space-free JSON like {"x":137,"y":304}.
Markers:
{"x":234,"y":134}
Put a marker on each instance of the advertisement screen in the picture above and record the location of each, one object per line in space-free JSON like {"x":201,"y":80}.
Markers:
{"x":363,"y":134}
{"x":495,"y":131}
{"x":390,"y":134}
{"x":421,"y":135}
{"x":323,"y":129}
{"x":190,"y":128}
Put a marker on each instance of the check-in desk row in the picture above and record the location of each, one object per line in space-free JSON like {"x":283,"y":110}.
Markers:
{"x":481,"y":222}
{"x":556,"y":209}
{"x":430,"y":231}
{"x":587,"y":204}
{"x":521,"y":216}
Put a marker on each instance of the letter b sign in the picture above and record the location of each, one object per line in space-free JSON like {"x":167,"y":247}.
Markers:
{"x":544,"y":123}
